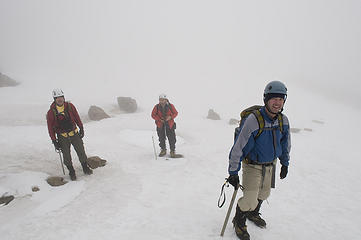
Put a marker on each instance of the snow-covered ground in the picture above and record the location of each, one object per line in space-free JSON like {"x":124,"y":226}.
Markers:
{"x":135,"y":196}
{"x":204,"y":54}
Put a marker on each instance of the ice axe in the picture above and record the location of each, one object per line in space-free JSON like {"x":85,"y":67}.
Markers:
{"x":155,"y":152}
{"x":61,"y":160}
{"x":230,"y":205}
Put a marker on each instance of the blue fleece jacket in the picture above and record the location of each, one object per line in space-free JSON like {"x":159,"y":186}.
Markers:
{"x":266,"y":147}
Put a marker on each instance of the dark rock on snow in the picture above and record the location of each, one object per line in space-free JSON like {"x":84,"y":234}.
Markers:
{"x":95,"y":162}
{"x":6,"y":199}
{"x":295,"y":130}
{"x":233,"y":121}
{"x":213,"y":115}
{"x":96,"y":113}
{"x":127,"y":104}
{"x":56,"y":181}
{"x":5,"y":81}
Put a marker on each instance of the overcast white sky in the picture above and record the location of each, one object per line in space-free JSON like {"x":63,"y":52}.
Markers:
{"x":182,"y":47}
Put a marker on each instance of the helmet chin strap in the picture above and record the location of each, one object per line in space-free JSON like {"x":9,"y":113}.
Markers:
{"x":269,"y":110}
{"x":57,"y":103}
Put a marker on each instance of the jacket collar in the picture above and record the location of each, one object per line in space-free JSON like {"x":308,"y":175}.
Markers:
{"x":265,"y":115}
{"x":53,"y":105}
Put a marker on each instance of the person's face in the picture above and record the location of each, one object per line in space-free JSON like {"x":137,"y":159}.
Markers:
{"x":162,"y":101}
{"x":275,"y":104}
{"x":59,"y":101}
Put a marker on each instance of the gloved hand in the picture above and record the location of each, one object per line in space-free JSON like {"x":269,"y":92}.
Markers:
{"x":284,"y":171}
{"x":57,"y":144}
{"x":233,"y":180}
{"x":81,"y":132}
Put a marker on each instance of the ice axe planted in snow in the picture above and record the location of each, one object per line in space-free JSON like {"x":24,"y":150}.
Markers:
{"x":230,"y":205}
{"x":155,"y":152}
{"x":61,"y":160}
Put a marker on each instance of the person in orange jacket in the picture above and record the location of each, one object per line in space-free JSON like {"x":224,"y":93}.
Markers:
{"x":164,"y":113}
{"x":63,"y":119}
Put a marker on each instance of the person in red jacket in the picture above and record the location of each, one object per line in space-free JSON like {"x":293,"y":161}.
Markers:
{"x":164,"y":113}
{"x":63,"y":119}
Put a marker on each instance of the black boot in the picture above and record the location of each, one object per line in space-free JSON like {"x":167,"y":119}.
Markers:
{"x":255,"y":217}
{"x":239,"y":223}
{"x":86,"y":169}
{"x":71,"y":173}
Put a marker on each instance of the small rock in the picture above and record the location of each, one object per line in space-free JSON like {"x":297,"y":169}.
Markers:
{"x":295,"y":130}
{"x":317,"y":121}
{"x":127,"y":104}
{"x":6,"y":199}
{"x":5,"y":81}
{"x":95,"y":162}
{"x":96,"y":113}
{"x":56,"y":181}
{"x":233,"y":121}
{"x":35,"y":189}
{"x":213,"y":115}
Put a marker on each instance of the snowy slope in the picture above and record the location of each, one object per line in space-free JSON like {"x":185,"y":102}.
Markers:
{"x":135,"y":196}
{"x":204,"y":54}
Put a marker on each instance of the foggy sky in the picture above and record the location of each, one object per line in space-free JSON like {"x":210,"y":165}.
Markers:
{"x":196,"y":47}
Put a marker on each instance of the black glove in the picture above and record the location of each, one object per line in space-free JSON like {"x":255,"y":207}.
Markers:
{"x":233,"y":180}
{"x":57,"y":144}
{"x":81,"y":132}
{"x":284,"y":171}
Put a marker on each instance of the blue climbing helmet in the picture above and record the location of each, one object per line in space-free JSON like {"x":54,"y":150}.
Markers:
{"x":274,"y":89}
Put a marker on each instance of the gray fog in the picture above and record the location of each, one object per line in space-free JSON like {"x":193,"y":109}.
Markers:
{"x":203,"y":49}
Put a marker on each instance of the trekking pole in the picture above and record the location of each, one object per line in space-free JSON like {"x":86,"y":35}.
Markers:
{"x":155,"y":152}
{"x":229,"y":210}
{"x":61,"y":160}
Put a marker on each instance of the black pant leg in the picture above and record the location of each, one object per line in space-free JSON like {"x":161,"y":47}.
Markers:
{"x":65,"y":149}
{"x":161,"y":137}
{"x":171,"y":138}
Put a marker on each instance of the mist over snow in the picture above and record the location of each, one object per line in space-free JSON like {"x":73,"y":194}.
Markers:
{"x":141,"y":47}
{"x":203,"y":54}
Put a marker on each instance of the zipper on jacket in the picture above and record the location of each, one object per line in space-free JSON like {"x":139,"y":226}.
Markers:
{"x":274,"y":140}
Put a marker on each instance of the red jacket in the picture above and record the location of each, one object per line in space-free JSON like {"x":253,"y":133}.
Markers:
{"x":169,"y":111}
{"x":53,"y":125}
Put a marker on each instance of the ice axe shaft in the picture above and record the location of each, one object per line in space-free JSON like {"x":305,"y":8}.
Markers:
{"x":61,"y":161}
{"x":155,"y":152}
{"x":229,"y":210}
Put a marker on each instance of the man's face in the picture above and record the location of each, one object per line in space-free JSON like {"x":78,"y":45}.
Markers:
{"x":59,"y":101}
{"x":162,"y":101}
{"x":275,"y":104}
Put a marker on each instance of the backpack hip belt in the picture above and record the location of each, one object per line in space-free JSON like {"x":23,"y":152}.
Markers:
{"x":248,"y":161}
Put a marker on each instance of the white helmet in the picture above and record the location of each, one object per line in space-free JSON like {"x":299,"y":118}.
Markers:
{"x":163,"y":96}
{"x":58,"y":93}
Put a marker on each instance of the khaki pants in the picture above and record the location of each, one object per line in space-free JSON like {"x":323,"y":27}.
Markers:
{"x":77,"y":142}
{"x":257,"y":185}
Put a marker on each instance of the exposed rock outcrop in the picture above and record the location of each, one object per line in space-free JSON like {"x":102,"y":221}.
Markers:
{"x":127,"y":104}
{"x":213,"y":115}
{"x":95,"y":162}
{"x":56,"y":181}
{"x":5,"y":81}
{"x":96,"y":113}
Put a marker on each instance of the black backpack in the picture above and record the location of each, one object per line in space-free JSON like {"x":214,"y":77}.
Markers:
{"x":64,"y":120}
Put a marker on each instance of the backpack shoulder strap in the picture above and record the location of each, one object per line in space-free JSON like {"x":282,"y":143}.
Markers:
{"x":260,"y":121}
{"x":170,"y":107}
{"x":280,"y":121}
{"x":68,"y":107}
{"x":54,"y":111}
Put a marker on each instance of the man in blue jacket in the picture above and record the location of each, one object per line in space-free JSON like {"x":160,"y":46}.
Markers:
{"x":258,"y":154}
